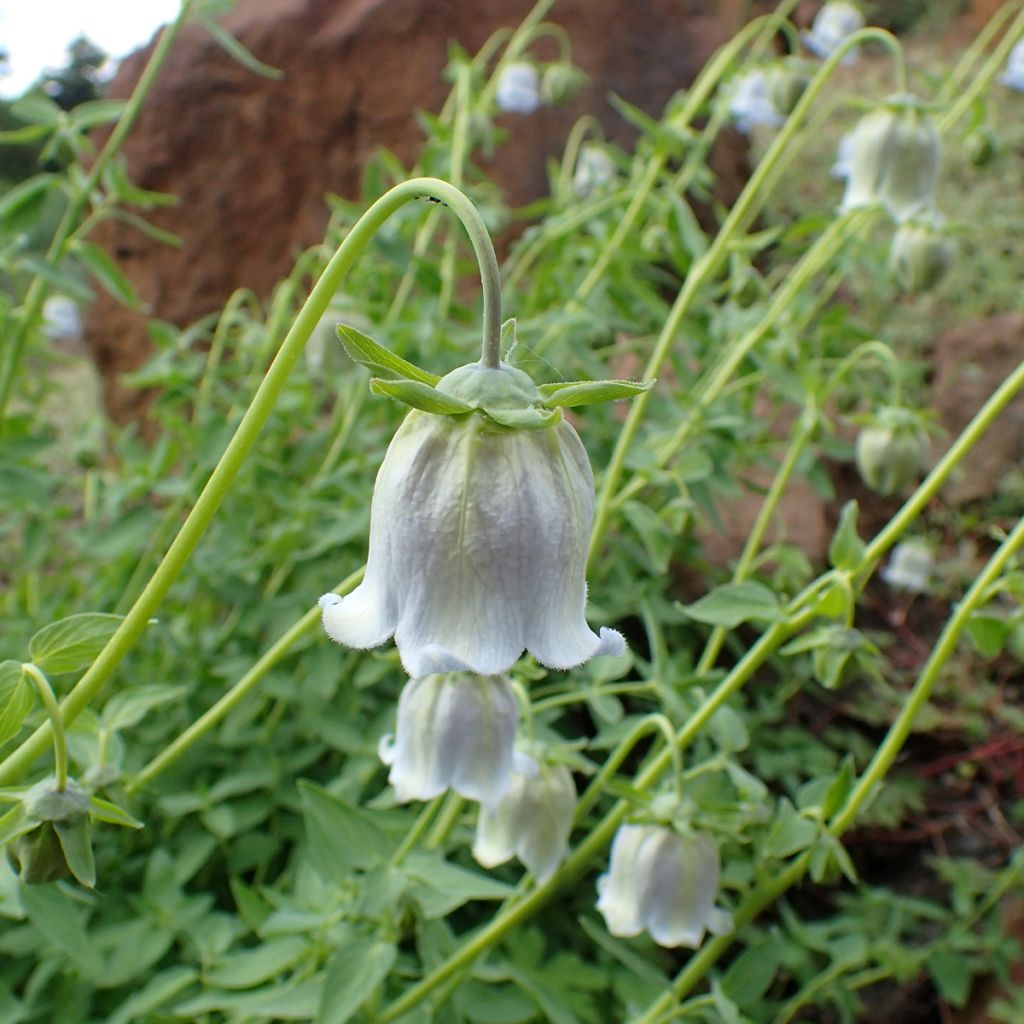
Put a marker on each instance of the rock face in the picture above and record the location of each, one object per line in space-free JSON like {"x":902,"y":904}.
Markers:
{"x":970,"y":363}
{"x":251,"y":159}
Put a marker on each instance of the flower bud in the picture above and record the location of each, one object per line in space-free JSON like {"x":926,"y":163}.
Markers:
{"x":1013,"y":76}
{"x":910,"y":566}
{"x":478,"y":538}
{"x":594,"y":170}
{"x":59,"y":845}
{"x":788,"y":81}
{"x":532,"y":821}
{"x":518,"y":89}
{"x":751,"y":102}
{"x":843,"y":166}
{"x":455,"y":731}
{"x":560,"y":82}
{"x":832,"y":26}
{"x":921,"y":254}
{"x":664,"y":883}
{"x":982,"y":144}
{"x":892,"y":453}
{"x":895,"y":159}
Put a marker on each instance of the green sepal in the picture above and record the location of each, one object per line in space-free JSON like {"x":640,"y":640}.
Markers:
{"x":590,"y":392}
{"x":524,"y":419}
{"x":16,"y":822}
{"x":104,"y":810}
{"x":420,"y":396}
{"x":77,"y":846}
{"x":378,"y":360}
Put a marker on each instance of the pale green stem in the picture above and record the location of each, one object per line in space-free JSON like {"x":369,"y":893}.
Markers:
{"x":40,"y":286}
{"x":446,"y":820}
{"x":562,"y":700}
{"x":249,"y":428}
{"x":60,"y":743}
{"x":213,"y":359}
{"x":416,"y":833}
{"x":202,"y":725}
{"x":517,"y":44}
{"x":570,"y":155}
{"x":560,"y":36}
{"x":460,"y":148}
{"x":965,"y":65}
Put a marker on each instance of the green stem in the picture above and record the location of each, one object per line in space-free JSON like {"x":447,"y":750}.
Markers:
{"x":40,"y":286}
{"x":446,"y":820}
{"x":980,"y":43}
{"x":248,"y":430}
{"x":460,"y":148}
{"x":213,"y":359}
{"x":416,"y":833}
{"x":571,"y":153}
{"x":60,"y":743}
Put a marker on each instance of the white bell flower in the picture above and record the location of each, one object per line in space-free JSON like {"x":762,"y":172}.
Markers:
{"x":834,"y":24}
{"x":532,"y":821}
{"x":594,"y":170}
{"x":455,"y":731}
{"x":751,"y":103}
{"x":663,"y":883}
{"x":1013,"y":76}
{"x":843,"y":166}
{"x":895,"y":159}
{"x":518,"y":89}
{"x":478,"y":540}
{"x":910,"y":566}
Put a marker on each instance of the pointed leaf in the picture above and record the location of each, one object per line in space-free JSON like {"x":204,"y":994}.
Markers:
{"x":378,"y":360}
{"x":16,"y":699}
{"x":847,"y":549}
{"x":238,"y":51}
{"x":354,"y":973}
{"x":39,"y":109}
{"x":16,"y":822}
{"x":72,"y":643}
{"x":129,"y":707}
{"x":590,"y":392}
{"x":89,"y":115}
{"x":74,"y":841}
{"x":420,"y":396}
{"x":524,"y":419}
{"x":104,"y":810}
{"x":99,"y":263}
{"x":25,"y":194}
{"x":735,"y":603}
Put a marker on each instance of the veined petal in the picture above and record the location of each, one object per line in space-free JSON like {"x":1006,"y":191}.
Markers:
{"x":357,"y":620}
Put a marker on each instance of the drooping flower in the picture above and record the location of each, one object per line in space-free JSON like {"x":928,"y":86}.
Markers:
{"x":895,"y":159}
{"x":892,"y":452}
{"x":518,"y":90}
{"x":594,"y":170}
{"x":843,"y":165}
{"x":922,"y":253}
{"x":478,"y":537}
{"x":454,"y":731}
{"x":910,"y":566}
{"x":751,"y":103}
{"x":1013,"y":76}
{"x":832,"y":26}
{"x":663,"y":883}
{"x":532,"y":821}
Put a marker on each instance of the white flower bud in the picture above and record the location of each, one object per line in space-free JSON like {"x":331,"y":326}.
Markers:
{"x":843,"y":166}
{"x":663,"y":883}
{"x":1013,"y":76}
{"x":518,"y":89}
{"x":921,"y":255}
{"x":834,"y":24}
{"x":751,"y":102}
{"x":910,"y":566}
{"x":560,"y":82}
{"x":787,"y":82}
{"x":62,"y":321}
{"x":532,"y":821}
{"x":455,"y":731}
{"x":478,"y":540}
{"x":594,"y":170}
{"x":895,"y":159}
{"x":892,"y":453}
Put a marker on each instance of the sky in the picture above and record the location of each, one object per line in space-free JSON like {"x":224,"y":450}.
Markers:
{"x":36,"y":33}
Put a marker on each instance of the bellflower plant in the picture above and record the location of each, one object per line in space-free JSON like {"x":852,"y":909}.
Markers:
{"x":664,"y":883}
{"x":751,"y":102}
{"x":518,"y":89}
{"x":833,"y":24}
{"x":910,"y":566}
{"x":895,"y":159}
{"x":922,"y":253}
{"x":892,"y":452}
{"x":1013,"y":76}
{"x":455,"y":731}
{"x":594,"y":170}
{"x":843,"y":165}
{"x":532,"y":821}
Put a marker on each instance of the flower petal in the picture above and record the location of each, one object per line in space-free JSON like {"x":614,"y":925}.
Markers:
{"x":358,"y":620}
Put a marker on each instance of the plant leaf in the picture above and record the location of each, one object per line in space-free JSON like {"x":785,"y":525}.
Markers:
{"x":735,"y":603}
{"x":378,"y":360}
{"x":238,"y":51}
{"x":71,"y":644}
{"x":16,"y":699}
{"x":108,"y":273}
{"x":590,"y":392}
{"x":354,"y":973}
{"x":420,"y":396}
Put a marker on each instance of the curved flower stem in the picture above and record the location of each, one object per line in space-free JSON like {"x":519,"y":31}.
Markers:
{"x":573,"y":144}
{"x":457,"y":163}
{"x":202,"y":725}
{"x":60,"y":743}
{"x":249,"y":428}
{"x":224,"y":323}
{"x":446,"y":820}
{"x":73,"y":212}
{"x":416,"y":833}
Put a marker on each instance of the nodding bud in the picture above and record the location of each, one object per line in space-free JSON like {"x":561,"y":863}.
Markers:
{"x":921,"y":255}
{"x":893,"y":452}
{"x":910,"y":566}
{"x":982,"y":146}
{"x":895,"y":159}
{"x":560,"y":82}
{"x":594,"y":170}
{"x":833,"y":25}
{"x":787,"y":82}
{"x":518,"y":89}
{"x":751,"y":103}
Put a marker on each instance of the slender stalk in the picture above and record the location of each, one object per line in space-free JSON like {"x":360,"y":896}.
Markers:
{"x":40,"y":286}
{"x":965,"y":65}
{"x":250,"y":426}
{"x":60,"y":743}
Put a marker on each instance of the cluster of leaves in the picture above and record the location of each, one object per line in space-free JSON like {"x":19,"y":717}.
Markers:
{"x":272,"y":880}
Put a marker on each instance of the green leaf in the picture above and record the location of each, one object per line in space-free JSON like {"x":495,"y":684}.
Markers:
{"x":16,"y":698}
{"x":127,"y":708}
{"x":52,"y":911}
{"x":342,"y":838}
{"x":38,"y":109}
{"x":25,"y":194}
{"x":420,"y":396}
{"x":378,"y":360}
{"x":16,"y":822}
{"x":791,"y":832}
{"x":847,"y":549}
{"x":839,"y":789}
{"x":354,"y":973}
{"x":237,"y":50}
{"x":590,"y":392}
{"x":524,"y":419}
{"x":440,"y":887}
{"x":287,"y":1001}
{"x":952,"y":976}
{"x":95,"y":112}
{"x":248,"y":968}
{"x":163,"y":986}
{"x":751,"y":974}
{"x":99,"y":263}
{"x":988,"y":633}
{"x":77,"y":846}
{"x":735,"y":603}
{"x":71,"y":644}
{"x":111,"y":814}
